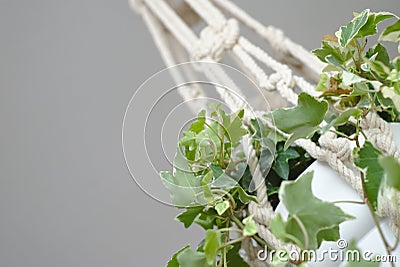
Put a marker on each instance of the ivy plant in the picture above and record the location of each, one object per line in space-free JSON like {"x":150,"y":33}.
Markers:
{"x":211,"y":181}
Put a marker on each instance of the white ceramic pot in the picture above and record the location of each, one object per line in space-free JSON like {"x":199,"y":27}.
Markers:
{"x":328,"y":185}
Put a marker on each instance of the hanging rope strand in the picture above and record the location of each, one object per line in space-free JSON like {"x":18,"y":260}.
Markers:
{"x":172,"y":22}
{"x":161,"y":40}
{"x":211,"y":15}
{"x":309,"y":65}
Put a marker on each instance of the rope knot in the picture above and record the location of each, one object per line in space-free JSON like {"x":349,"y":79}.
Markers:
{"x":338,"y":147}
{"x":379,"y":134}
{"x":262,"y":213}
{"x":214,"y":41}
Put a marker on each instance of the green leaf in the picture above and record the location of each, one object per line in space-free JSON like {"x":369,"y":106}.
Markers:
{"x":391,"y":33}
{"x":281,"y":259}
{"x":332,"y":49}
{"x":322,"y":85}
{"x":242,"y":174}
{"x":190,"y":258}
{"x":392,"y":171}
{"x":214,"y":105}
{"x":328,"y":234}
{"x":349,"y":78}
{"x":244,"y":197}
{"x":189,"y":142}
{"x":206,"y":221}
{"x":207,"y":143}
{"x":208,"y":195}
{"x":344,"y":117}
{"x":381,"y":54}
{"x":188,"y":217}
{"x":319,"y":218}
{"x":221,"y":179}
{"x":207,"y":178}
{"x":348,"y":32}
{"x":377,"y":62}
{"x":261,"y":133}
{"x":234,"y":259}
{"x":366,"y":158}
{"x":173,"y":262}
{"x":369,"y":27}
{"x":394,"y":75}
{"x":221,"y":207}
{"x":334,"y":62}
{"x":198,"y":125}
{"x":360,"y":89}
{"x":278,"y":227}
{"x":302,"y":120}
{"x":232,"y":125}
{"x":389,"y":92}
{"x":250,"y":227}
{"x":211,"y":245}
{"x":266,"y":160}
{"x":182,"y":185}
{"x":281,"y":164}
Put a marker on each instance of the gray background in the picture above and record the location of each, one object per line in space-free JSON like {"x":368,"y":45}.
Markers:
{"x":67,"y":72}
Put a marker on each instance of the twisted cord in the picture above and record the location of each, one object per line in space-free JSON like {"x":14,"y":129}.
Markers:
{"x":380,"y":134}
{"x":172,"y":22}
{"x":262,"y":211}
{"x":252,"y":254}
{"x":337,"y":153}
{"x":211,"y":15}
{"x":287,"y":50}
{"x":214,"y":41}
{"x":160,"y":38}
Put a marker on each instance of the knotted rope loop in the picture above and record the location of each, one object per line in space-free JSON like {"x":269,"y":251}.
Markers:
{"x":335,"y":147}
{"x":214,"y":41}
{"x":379,"y":134}
{"x":263,"y":213}
{"x":269,"y":82}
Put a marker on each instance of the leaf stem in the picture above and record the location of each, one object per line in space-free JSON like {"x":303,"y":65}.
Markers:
{"x":259,"y":240}
{"x":230,"y":229}
{"x":303,"y":230}
{"x":222,"y":192}
{"x":224,"y":257}
{"x":216,"y":133}
{"x":374,"y":216}
{"x":395,"y":244}
{"x":222,"y":143}
{"x":226,"y":240}
{"x":233,"y":242}
{"x":349,"y":201}
{"x":340,"y":134}
{"x":359,"y":50}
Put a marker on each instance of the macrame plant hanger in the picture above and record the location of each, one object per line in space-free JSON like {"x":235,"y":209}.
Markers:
{"x":170,"y":26}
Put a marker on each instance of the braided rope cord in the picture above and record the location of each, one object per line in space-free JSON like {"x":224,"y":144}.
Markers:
{"x":223,"y":35}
